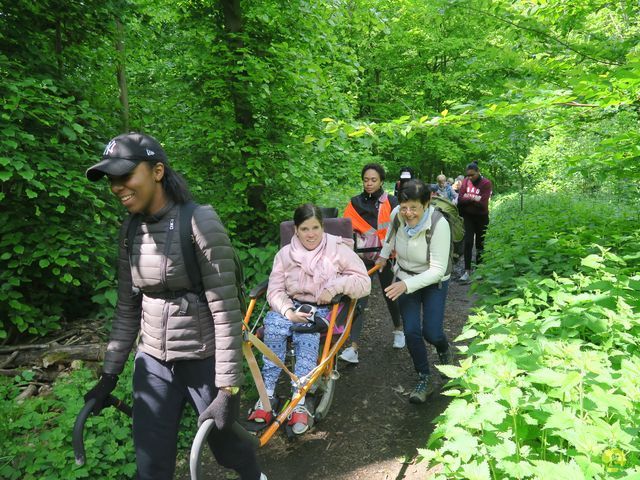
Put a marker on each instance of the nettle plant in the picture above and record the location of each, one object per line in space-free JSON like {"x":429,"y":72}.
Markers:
{"x":550,"y":385}
{"x":35,"y":435}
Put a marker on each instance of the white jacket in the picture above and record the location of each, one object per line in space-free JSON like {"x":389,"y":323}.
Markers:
{"x":411,"y":253}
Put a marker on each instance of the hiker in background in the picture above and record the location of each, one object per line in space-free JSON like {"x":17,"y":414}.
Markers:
{"x":445,"y":190}
{"x":406,"y":174}
{"x":310,"y":271}
{"x":457,"y":183}
{"x":195,"y":355}
{"x":370,"y":213}
{"x":456,"y":187}
{"x":473,"y":203}
{"x":422,"y":259}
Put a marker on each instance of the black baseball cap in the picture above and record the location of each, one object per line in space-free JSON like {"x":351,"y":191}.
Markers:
{"x":124,"y":152}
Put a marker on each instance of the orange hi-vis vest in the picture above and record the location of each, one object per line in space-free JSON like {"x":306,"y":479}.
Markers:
{"x":362,"y":227}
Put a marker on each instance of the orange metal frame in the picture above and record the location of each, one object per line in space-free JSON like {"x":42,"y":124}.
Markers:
{"x":326,"y":361}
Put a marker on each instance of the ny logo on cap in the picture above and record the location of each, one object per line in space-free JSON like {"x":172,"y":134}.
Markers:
{"x":109,"y":148}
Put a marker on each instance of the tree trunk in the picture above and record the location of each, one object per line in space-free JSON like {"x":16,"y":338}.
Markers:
{"x":58,"y":46}
{"x":122,"y":77}
{"x":232,"y":13}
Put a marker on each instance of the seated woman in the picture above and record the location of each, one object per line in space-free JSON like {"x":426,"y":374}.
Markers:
{"x":313,"y":269}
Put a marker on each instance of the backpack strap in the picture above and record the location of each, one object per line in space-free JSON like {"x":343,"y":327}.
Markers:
{"x":437,"y":215}
{"x":188,"y":246}
{"x":395,"y":225}
{"x":132,"y":228}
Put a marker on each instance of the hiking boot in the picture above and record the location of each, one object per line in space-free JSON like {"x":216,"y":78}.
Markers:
{"x":398,"y":339}
{"x":299,"y":419}
{"x":465,"y":277}
{"x":446,"y":358}
{"x":349,"y":355}
{"x":259,"y":414}
{"x":422,"y":390}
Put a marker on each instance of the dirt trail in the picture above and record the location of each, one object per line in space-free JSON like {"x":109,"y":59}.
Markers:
{"x":371,"y":427}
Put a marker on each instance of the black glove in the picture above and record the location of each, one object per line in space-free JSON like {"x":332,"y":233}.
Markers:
{"x":224,"y":410}
{"x":101,"y":391}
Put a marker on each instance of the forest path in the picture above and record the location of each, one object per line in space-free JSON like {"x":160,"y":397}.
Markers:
{"x":371,"y":427}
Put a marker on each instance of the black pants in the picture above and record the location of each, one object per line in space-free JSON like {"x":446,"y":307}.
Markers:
{"x":475,"y":226}
{"x":160,"y":392}
{"x":385,"y":277}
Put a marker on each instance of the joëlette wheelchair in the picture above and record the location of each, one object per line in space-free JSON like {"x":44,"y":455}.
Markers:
{"x":320,"y":383}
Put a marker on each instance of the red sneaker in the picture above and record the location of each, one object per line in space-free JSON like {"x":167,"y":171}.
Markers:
{"x":259,"y":414}
{"x":299,"y":420}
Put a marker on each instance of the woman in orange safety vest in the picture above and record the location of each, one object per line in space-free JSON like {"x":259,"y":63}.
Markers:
{"x":370,"y":214}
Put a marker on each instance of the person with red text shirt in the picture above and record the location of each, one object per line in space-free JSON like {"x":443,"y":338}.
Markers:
{"x":473,"y":203}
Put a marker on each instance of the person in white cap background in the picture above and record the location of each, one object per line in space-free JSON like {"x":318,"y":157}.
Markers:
{"x":190,"y":345}
{"x":406,"y":174}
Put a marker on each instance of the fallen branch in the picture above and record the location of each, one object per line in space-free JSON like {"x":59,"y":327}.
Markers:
{"x":37,"y":346}
{"x":58,"y":353}
{"x":8,"y":361}
{"x":30,"y":391}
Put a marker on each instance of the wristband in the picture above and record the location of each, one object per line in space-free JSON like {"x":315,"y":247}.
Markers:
{"x":231,"y":390}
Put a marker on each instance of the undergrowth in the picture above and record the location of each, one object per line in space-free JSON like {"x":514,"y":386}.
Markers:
{"x":550,"y":385}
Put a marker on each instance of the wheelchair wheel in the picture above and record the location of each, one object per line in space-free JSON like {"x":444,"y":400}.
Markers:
{"x":325,"y":392}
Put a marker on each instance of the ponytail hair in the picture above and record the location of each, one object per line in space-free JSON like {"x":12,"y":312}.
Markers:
{"x":175,"y":186}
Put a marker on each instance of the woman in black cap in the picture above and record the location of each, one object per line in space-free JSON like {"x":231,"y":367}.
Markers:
{"x":190,"y":345}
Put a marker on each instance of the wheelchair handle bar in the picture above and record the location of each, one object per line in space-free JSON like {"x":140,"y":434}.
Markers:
{"x":201,"y":438}
{"x":78,"y":427}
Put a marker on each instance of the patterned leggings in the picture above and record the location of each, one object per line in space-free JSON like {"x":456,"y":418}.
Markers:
{"x":305,"y":345}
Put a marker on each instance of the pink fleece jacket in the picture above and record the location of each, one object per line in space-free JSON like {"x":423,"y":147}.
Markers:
{"x":303,"y":274}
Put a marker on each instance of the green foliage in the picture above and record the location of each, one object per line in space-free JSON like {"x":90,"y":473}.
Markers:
{"x":488,"y":81}
{"x":549,"y":386}
{"x":36,"y":434}
{"x":256,"y":262}
{"x":46,"y":266}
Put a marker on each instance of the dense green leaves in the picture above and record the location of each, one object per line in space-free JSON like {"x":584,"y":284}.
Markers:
{"x":555,"y":347}
{"x":542,"y":95}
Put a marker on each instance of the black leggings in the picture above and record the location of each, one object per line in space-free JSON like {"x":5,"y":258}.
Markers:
{"x":385,"y":277}
{"x":160,"y":392}
{"x":475,"y":226}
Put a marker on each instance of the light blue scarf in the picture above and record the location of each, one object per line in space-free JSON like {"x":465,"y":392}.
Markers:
{"x":412,"y":231}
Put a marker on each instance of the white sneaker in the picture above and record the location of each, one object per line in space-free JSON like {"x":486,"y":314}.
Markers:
{"x":465,"y":277}
{"x":263,"y":476}
{"x":349,"y":355}
{"x":398,"y":339}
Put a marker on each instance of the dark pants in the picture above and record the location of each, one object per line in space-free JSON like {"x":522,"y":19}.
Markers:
{"x":423,"y":317}
{"x":160,"y":392}
{"x":475,"y":226}
{"x":386,"y":278}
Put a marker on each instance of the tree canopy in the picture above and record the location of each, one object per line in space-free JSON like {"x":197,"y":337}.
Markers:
{"x":264,"y":106}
